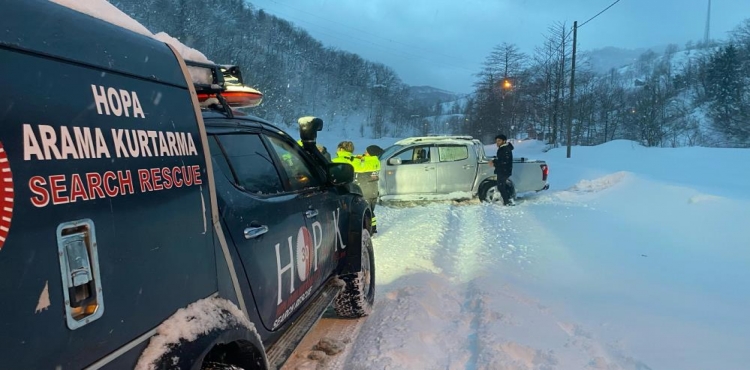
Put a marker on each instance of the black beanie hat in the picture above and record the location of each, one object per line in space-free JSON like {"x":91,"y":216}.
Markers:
{"x":374,"y":150}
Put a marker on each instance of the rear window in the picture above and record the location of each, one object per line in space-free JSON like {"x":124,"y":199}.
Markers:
{"x":452,"y":153}
{"x":251,"y":164}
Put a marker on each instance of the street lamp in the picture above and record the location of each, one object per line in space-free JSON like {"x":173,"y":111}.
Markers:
{"x":507,"y":85}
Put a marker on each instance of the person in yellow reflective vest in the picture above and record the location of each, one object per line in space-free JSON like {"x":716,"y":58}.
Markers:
{"x":365,"y":174}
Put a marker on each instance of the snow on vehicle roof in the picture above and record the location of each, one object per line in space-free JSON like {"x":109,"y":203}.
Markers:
{"x":107,"y":12}
{"x":458,"y":139}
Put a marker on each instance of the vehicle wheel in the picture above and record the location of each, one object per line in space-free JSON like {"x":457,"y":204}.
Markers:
{"x":488,"y":192}
{"x":357,"y":298}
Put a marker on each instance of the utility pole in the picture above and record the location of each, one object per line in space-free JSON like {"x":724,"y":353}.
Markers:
{"x":707,"y":32}
{"x":572,"y":86}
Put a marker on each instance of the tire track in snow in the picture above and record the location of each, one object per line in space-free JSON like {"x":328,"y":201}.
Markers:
{"x":462,"y":256}
{"x":445,"y":296}
{"x":444,"y":311}
{"x":407,"y":240}
{"x":405,"y":245}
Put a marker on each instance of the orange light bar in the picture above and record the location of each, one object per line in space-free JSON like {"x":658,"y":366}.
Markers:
{"x":237,"y":96}
{"x":242,"y":96}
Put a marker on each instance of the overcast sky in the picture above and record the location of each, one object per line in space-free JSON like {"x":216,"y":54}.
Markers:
{"x":442,"y":43}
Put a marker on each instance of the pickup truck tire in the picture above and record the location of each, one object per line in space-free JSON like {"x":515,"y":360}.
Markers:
{"x":358,"y":295}
{"x":488,"y":192}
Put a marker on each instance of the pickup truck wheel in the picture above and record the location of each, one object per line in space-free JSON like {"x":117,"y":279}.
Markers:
{"x":358,"y":295}
{"x":488,"y":192}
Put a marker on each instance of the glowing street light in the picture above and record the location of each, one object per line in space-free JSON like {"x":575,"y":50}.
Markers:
{"x":507,"y":85}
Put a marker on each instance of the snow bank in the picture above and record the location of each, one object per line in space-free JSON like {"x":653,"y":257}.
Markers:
{"x":107,"y":12}
{"x":601,"y":183}
{"x":717,"y":171}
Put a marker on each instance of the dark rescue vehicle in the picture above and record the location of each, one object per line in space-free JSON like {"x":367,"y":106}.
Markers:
{"x":146,"y":223}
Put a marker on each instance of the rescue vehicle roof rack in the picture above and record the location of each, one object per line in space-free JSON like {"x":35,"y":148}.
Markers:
{"x":226,"y":86}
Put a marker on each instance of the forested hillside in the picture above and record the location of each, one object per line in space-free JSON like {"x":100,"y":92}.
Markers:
{"x":296,"y":73}
{"x":692,"y":95}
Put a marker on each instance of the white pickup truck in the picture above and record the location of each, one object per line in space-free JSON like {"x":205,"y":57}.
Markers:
{"x":449,"y":168}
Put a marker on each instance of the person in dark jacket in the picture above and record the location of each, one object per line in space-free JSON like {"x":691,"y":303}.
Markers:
{"x":503,"y":164}
{"x":369,"y":177}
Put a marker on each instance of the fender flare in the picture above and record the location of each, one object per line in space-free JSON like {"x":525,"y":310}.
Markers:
{"x":359,"y":216}
{"x":185,"y":339}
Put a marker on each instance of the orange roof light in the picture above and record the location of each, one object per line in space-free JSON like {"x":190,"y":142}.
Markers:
{"x":237,"y":96}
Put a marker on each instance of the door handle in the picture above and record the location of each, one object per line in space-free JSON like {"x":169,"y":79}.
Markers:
{"x":254,"y":232}
{"x":429,"y":168}
{"x":467,"y":166}
{"x":311,"y":213}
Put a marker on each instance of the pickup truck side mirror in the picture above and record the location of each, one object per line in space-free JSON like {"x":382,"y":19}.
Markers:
{"x":340,"y":173}
{"x":394,"y":161}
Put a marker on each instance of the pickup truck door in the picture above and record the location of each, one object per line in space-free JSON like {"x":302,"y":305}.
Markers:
{"x":264,"y":213}
{"x":322,"y":207}
{"x":415,"y":175}
{"x":456,"y":168}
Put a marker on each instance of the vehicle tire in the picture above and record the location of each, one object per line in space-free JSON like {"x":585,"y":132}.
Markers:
{"x":488,"y":192}
{"x":238,"y":355}
{"x":358,"y":295}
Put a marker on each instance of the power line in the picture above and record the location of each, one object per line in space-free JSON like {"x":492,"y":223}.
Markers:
{"x":598,"y":14}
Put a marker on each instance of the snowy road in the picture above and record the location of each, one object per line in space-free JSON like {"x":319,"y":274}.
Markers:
{"x":612,"y":269}
{"x":451,"y":295}
{"x":447,"y":298}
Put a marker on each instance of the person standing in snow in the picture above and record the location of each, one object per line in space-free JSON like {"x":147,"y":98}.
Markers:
{"x":344,"y":154}
{"x":503,"y":163}
{"x":368,"y":179}
{"x":364,"y":168}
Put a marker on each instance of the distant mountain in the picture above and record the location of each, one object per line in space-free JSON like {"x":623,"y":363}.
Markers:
{"x":431,"y":95}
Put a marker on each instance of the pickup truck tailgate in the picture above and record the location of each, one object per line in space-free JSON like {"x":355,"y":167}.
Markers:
{"x":529,"y":175}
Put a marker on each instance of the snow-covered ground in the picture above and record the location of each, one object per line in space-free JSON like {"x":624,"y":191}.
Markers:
{"x":636,"y":258}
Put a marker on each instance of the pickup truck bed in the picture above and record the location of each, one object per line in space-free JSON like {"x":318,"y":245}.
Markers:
{"x":528,"y":174}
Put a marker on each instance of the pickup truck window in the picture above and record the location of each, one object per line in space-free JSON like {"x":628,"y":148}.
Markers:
{"x":297,"y":171}
{"x":390,"y":150}
{"x":251,"y":163}
{"x":452,"y":153}
{"x":415,"y":155}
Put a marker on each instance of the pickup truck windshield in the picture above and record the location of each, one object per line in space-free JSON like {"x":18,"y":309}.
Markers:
{"x":390,"y":150}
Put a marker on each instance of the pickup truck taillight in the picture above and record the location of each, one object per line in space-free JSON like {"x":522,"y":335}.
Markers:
{"x":545,"y":171}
